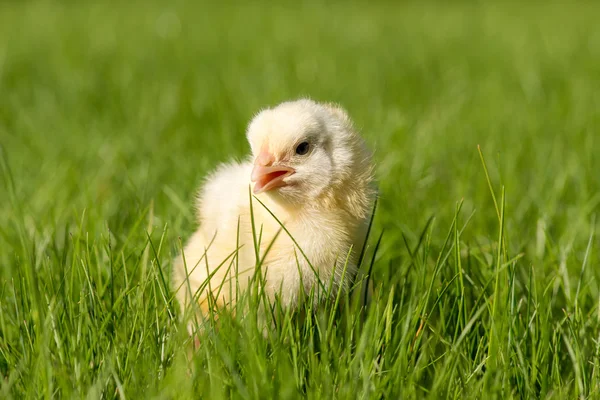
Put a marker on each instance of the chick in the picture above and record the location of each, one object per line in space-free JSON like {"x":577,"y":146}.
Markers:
{"x":311,"y":170}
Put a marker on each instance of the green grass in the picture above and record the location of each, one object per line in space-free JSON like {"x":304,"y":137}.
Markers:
{"x":111,"y":114}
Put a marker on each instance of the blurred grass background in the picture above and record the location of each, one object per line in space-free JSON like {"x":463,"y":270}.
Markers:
{"x":111,"y":114}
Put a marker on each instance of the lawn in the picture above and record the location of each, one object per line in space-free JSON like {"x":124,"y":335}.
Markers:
{"x":484,"y":248}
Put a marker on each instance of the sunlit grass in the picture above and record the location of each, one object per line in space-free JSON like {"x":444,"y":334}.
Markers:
{"x":483,"y":260}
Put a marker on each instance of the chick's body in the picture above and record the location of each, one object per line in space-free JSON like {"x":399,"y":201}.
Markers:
{"x":325,"y":213}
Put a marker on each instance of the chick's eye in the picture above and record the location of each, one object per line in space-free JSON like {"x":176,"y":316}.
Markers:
{"x":302,"y":148}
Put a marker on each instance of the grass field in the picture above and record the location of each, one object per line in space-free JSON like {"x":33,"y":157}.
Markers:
{"x":486,"y":281}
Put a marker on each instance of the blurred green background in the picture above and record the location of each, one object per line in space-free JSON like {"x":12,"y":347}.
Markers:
{"x":114,"y":105}
{"x":110,"y":108}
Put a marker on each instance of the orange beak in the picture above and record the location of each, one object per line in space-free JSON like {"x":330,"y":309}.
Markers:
{"x":268,"y":176}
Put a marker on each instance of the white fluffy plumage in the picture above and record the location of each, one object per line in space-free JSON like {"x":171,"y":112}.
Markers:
{"x":312,"y":170}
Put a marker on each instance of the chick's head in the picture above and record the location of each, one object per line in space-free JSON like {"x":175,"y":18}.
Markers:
{"x":304,"y":151}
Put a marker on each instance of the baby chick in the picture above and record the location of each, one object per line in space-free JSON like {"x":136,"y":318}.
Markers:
{"x":311,"y":170}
